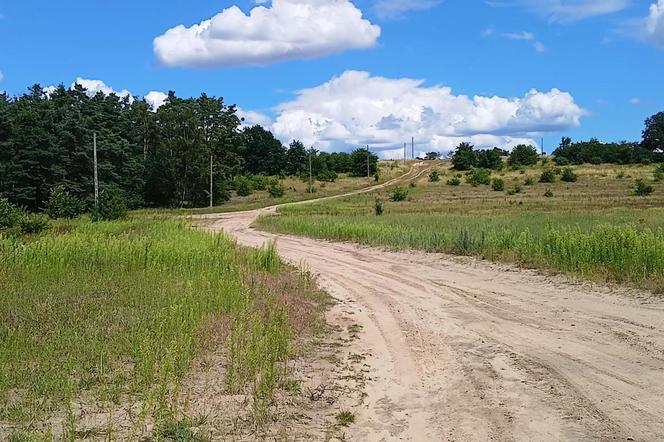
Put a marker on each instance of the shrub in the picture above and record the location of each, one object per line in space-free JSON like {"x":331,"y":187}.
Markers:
{"x":376,"y":176}
{"x":327,"y":175}
{"x":465,"y":157}
{"x":243,"y":185}
{"x":561,"y":161}
{"x":260,"y":182}
{"x":275,"y":189}
{"x":399,"y":194}
{"x":548,"y":176}
{"x":643,"y":188}
{"x":489,"y":159}
{"x":434,"y":176}
{"x":523,"y":155}
{"x":659,"y":173}
{"x":112,"y":206}
{"x":33,"y":223}
{"x":378,"y":207}
{"x":478,"y":176}
{"x":548,"y":193}
{"x":10,"y":215}
{"x":514,"y":190}
{"x":412,"y":184}
{"x":529,"y":181}
{"x":223,"y":191}
{"x":454,"y":181}
{"x":62,"y":204}
{"x":568,"y":175}
{"x":498,"y":184}
{"x":620,"y":175}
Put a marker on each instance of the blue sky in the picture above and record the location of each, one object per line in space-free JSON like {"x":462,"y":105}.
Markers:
{"x":374,"y":71}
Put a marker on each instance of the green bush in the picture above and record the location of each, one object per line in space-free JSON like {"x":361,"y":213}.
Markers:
{"x":548,"y":193}
{"x":523,"y":155}
{"x":10,"y":215}
{"x":378,"y":207}
{"x":454,"y":181}
{"x":643,"y":188}
{"x":62,"y":204}
{"x":498,"y":184}
{"x":327,"y":175}
{"x":568,"y":175}
{"x":514,"y":190}
{"x":223,"y":191}
{"x":260,"y":182}
{"x":659,"y":173}
{"x":243,"y":185}
{"x":434,"y":176}
{"x":275,"y":189}
{"x":561,"y":161}
{"x":548,"y":176}
{"x":399,"y":194}
{"x":478,"y":176}
{"x":33,"y":223}
{"x":112,"y":206}
{"x":529,"y":181}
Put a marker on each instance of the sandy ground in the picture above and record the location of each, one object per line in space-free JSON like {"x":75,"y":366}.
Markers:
{"x":459,"y":349}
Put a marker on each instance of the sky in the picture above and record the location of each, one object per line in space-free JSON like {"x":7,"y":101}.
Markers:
{"x":338,"y":74}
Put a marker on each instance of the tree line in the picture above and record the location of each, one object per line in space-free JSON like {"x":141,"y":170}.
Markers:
{"x":154,"y":158}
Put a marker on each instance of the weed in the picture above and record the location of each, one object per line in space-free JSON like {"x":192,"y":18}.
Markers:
{"x":378,"y":207}
{"x":434,"y":176}
{"x":529,"y":181}
{"x":548,"y":193}
{"x":642,"y":188}
{"x":398,"y":194}
{"x":454,"y":181}
{"x":345,"y":418}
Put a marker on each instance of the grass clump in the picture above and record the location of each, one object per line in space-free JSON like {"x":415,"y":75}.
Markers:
{"x":345,"y":418}
{"x":643,"y":189}
{"x":568,"y":175}
{"x":454,"y":181}
{"x":434,"y":176}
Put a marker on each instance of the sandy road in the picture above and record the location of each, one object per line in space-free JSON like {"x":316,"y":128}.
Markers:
{"x":466,"y":350}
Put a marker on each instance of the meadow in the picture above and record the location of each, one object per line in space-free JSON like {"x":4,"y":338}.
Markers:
{"x":107,"y":319}
{"x":595,"y":227}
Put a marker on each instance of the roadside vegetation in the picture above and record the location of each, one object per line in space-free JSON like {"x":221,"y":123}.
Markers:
{"x":102,"y":323}
{"x":601,"y":222}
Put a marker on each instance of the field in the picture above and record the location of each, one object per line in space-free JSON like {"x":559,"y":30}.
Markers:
{"x":106,"y":324}
{"x":295,"y":190}
{"x":595,"y":227}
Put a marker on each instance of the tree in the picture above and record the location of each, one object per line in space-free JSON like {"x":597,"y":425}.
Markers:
{"x":490,"y":159}
{"x":523,"y":155}
{"x":432,"y":156}
{"x":359,"y":159}
{"x":653,"y":133}
{"x":465,"y":157}
{"x":262,"y":152}
{"x":296,"y":158}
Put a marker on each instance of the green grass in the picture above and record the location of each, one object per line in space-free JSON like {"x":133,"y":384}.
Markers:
{"x":595,"y":228}
{"x":118,"y":311}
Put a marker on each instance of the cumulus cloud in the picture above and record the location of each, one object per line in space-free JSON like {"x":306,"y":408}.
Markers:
{"x":396,"y":8}
{"x":93,"y":87}
{"x":655,"y":23}
{"x":356,"y":109}
{"x":285,"y":30}
{"x":156,"y":99}
{"x":252,"y":118}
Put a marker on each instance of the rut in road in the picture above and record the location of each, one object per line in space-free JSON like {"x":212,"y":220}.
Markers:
{"x":461,"y":349}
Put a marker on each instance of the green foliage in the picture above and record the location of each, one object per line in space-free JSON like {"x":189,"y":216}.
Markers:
{"x":498,"y":184}
{"x":597,"y":152}
{"x":643,"y":189}
{"x":659,"y":173}
{"x":360,"y":159}
{"x":514,"y":190}
{"x":33,"y":223}
{"x":62,"y":204}
{"x":548,"y":176}
{"x":529,"y":181}
{"x":259,"y":182}
{"x":548,"y":193}
{"x":523,"y":155}
{"x":328,"y":175}
{"x":432,"y":156}
{"x":464,"y":157}
{"x":568,"y":175}
{"x":222,"y":191}
{"x":243,"y":185}
{"x":112,"y":206}
{"x":490,"y":159}
{"x":454,"y":181}
{"x":345,"y":418}
{"x":10,"y":215}
{"x":653,"y":133}
{"x":434,"y":176}
{"x":276,"y":189}
{"x":562,"y":161}
{"x":177,"y":431}
{"x":399,"y":194}
{"x":378,"y":207}
{"x":478,"y":176}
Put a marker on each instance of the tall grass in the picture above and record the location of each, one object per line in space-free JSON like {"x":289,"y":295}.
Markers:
{"x":606,"y":245}
{"x":121,"y":309}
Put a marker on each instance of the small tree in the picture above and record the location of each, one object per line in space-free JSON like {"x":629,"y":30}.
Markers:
{"x":434,"y":176}
{"x":275,"y":189}
{"x":464,"y":157}
{"x":454,"y":181}
{"x":378,"y":207}
{"x":62,"y":204}
{"x":399,"y":194}
{"x":498,"y":184}
{"x":568,"y":175}
{"x":643,"y":188}
{"x":478,"y":176}
{"x":548,"y":176}
{"x":490,"y":159}
{"x":112,"y":206}
{"x":523,"y":155}
{"x":10,"y":215}
{"x":243,"y":185}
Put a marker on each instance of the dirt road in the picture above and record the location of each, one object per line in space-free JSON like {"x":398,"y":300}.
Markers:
{"x":466,"y":350}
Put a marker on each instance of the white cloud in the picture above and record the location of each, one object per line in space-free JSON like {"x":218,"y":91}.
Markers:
{"x":286,"y":30}
{"x":568,"y":10}
{"x":2,"y":76}
{"x":252,"y":118}
{"x":655,"y":23}
{"x":95,"y":86}
{"x":357,"y":109}
{"x":156,"y":99}
{"x":396,"y":8}
{"x":635,"y":101}
{"x":525,"y":36}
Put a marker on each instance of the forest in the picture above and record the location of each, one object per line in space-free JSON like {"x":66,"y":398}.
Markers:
{"x":153,"y":157}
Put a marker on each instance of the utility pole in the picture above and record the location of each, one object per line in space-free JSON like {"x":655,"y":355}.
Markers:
{"x":94,"y":155}
{"x":405,"y":154}
{"x":311,"y":184}
{"x":412,"y":146}
{"x":211,"y":195}
{"x":542,"y":145}
{"x":368,"y":155}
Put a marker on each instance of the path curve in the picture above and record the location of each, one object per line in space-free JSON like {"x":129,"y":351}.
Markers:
{"x":460,"y":349}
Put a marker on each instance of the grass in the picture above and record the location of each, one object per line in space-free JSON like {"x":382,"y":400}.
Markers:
{"x":115,"y":313}
{"x":595,"y":227}
{"x":345,"y":418}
